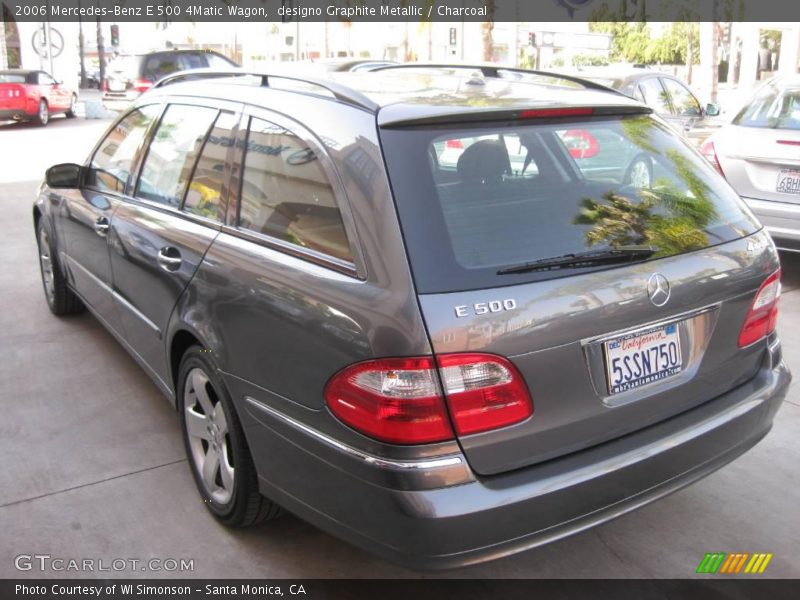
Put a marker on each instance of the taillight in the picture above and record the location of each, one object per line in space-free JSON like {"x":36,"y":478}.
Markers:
{"x":708,"y":150}
{"x":483,"y":392}
{"x":763,"y":314}
{"x":142,"y":85}
{"x":454,"y":144}
{"x":396,"y":400}
{"x":399,"y":400}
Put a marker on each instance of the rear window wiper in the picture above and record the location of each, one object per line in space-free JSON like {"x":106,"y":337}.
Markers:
{"x":583,"y":259}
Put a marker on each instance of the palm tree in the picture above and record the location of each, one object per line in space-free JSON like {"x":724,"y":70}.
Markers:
{"x":487,"y":30}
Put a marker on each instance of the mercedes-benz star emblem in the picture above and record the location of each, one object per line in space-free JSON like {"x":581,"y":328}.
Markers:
{"x":658,"y":289}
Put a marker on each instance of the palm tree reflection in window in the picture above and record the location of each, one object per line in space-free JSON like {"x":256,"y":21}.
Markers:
{"x":673,"y":215}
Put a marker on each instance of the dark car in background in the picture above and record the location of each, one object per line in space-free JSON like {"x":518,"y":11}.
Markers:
{"x":668,"y":96}
{"x":443,"y":359}
{"x":128,"y":76}
{"x":33,"y":96}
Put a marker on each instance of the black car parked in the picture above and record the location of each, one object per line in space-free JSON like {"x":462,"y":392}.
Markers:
{"x":129,"y":76}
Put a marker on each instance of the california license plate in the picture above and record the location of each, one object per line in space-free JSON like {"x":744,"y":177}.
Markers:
{"x":788,"y":181}
{"x":642,"y":358}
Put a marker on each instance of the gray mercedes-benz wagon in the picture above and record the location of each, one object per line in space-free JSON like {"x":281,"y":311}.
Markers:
{"x":444,"y":316}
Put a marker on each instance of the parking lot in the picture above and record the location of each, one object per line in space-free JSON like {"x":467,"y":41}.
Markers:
{"x":94,"y":467}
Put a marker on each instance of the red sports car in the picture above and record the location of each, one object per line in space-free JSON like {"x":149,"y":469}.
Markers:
{"x":34,"y":96}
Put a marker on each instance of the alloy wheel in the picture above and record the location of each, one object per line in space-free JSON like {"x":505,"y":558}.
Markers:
{"x":209,"y":436}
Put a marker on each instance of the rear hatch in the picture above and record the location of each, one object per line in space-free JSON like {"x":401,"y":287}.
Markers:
{"x":498,"y":217}
{"x":760,"y":151}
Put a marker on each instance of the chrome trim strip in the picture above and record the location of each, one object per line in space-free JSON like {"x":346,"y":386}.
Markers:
{"x":674,"y":319}
{"x":383,"y":463}
{"x":116,"y":296}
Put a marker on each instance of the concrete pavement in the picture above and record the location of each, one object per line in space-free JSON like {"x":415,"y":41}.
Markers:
{"x":93,"y":465}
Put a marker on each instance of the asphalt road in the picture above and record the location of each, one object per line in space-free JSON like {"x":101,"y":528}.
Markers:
{"x":93,"y":466}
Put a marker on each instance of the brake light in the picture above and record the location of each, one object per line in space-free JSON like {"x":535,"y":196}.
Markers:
{"x":543,"y":113}
{"x":454,"y":144}
{"x":399,"y":400}
{"x":763,"y":314}
{"x":708,"y":150}
{"x":142,"y":85}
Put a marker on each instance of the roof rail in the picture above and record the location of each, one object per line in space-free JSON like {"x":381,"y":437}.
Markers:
{"x":494,"y":72}
{"x":340,"y":92}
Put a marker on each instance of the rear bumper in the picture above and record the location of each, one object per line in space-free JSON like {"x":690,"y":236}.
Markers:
{"x":118,"y":101}
{"x":15,"y":114}
{"x":382,"y":510}
{"x":781,"y":219}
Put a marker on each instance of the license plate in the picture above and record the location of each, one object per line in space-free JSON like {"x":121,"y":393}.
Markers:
{"x":642,"y":358}
{"x":116,"y":86}
{"x":788,"y":181}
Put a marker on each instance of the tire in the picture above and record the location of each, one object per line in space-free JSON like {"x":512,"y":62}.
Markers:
{"x":640,"y":172}
{"x":60,"y":299}
{"x":43,"y":115}
{"x":229,"y":483}
{"x":71,"y":114}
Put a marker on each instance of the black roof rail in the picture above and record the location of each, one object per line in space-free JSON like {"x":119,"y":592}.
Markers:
{"x":494,"y":72}
{"x":342,"y":93}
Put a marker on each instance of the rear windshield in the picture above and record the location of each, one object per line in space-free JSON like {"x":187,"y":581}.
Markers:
{"x":473,"y":202}
{"x":772,"y":108}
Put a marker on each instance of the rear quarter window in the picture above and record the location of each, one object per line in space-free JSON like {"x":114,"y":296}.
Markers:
{"x":286,"y":193}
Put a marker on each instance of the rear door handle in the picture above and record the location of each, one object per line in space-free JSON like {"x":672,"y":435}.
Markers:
{"x":101,"y":226}
{"x":169,"y":258}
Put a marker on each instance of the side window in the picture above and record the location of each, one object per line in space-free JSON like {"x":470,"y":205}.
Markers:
{"x":161,"y":65}
{"x":173,"y":152}
{"x":111,"y":163}
{"x":45,"y":79}
{"x":286,"y":194}
{"x":637,"y":94}
{"x":205,"y":190}
{"x":193,"y":61}
{"x":682,"y":99}
{"x":654,"y":95}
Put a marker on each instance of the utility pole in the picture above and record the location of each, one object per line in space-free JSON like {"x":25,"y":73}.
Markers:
{"x":81,"y":48}
{"x":101,"y":55}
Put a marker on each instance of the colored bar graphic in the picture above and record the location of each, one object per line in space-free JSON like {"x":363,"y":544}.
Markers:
{"x":732,"y":564}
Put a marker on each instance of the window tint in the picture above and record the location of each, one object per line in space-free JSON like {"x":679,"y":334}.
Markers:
{"x":203,"y":197}
{"x":682,"y":99}
{"x":111,"y":164}
{"x":286,"y":194}
{"x":599,"y":184}
{"x":173,"y":152}
{"x":654,"y":95}
{"x":772,"y":107}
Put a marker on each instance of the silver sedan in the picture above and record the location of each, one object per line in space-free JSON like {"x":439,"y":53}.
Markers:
{"x":759,"y":155}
